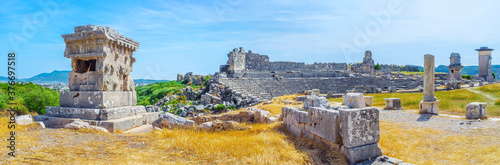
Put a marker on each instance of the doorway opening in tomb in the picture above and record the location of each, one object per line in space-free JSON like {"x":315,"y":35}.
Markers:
{"x":83,"y":66}
{"x":124,"y":84}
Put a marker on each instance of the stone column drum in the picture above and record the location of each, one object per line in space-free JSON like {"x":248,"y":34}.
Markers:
{"x":429,"y":103}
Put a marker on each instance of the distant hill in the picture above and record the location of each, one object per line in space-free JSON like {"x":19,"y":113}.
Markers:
{"x":470,"y":70}
{"x":62,"y":77}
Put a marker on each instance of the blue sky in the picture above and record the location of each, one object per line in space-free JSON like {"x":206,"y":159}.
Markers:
{"x":195,"y":36}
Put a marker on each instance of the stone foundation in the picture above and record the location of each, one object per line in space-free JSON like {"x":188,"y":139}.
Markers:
{"x":112,"y":126}
{"x":97,"y":99}
{"x":431,"y":107}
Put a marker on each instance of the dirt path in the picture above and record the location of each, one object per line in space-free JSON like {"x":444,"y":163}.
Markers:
{"x":490,"y":97}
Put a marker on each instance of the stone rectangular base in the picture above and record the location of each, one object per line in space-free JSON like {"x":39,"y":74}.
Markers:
{"x":429,"y":107}
{"x":97,"y":99}
{"x":95,"y":114}
{"x":361,"y":153}
{"x":112,"y":126}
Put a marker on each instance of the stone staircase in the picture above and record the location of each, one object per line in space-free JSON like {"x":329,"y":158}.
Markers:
{"x":272,"y":86}
{"x":247,"y":87}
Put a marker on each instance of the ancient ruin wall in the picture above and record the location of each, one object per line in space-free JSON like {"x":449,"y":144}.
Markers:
{"x":353,"y":132}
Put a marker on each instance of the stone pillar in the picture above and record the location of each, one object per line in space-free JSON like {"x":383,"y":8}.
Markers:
{"x":485,"y":70}
{"x":429,"y":103}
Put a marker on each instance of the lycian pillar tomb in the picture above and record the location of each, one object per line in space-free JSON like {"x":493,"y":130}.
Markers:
{"x":485,"y":70}
{"x":102,"y":91}
{"x":455,"y":67}
{"x":429,"y":103}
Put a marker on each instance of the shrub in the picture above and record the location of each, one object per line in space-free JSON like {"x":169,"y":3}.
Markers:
{"x":497,"y":102}
{"x":466,"y":76}
{"x":378,"y":66}
{"x":206,"y":80}
{"x":494,"y":77}
{"x":220,"y":107}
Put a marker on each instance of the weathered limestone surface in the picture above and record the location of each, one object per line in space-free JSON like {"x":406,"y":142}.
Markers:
{"x":315,"y":92}
{"x":101,"y":59}
{"x":260,"y":116}
{"x":393,"y":104}
{"x":368,"y":101}
{"x":110,"y":125}
{"x":95,"y":114}
{"x":354,"y":100}
{"x":79,"y":124}
{"x":316,"y":101}
{"x":476,"y":110}
{"x":358,"y":154}
{"x":359,"y":126}
{"x":485,"y":70}
{"x":318,"y":124}
{"x":429,"y":103}
{"x":102,"y":92}
{"x":354,"y":132}
{"x":455,"y":67}
{"x":367,"y":66}
{"x":168,"y":120}
{"x":360,"y":133}
{"x":24,"y":120}
{"x":97,"y":99}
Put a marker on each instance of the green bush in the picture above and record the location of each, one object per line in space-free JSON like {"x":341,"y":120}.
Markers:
{"x":206,"y":80}
{"x":29,"y":97}
{"x":220,"y":107}
{"x":466,"y":76}
{"x":497,"y":102}
{"x":150,"y":94}
{"x":494,"y":77}
{"x":378,"y":66}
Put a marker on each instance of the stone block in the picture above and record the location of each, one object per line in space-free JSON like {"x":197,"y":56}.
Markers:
{"x":122,"y":124}
{"x":476,"y":110}
{"x":316,"y":101}
{"x":95,"y":114}
{"x":301,"y":98}
{"x":393,"y":104}
{"x":359,"y":126}
{"x":368,"y":101}
{"x":261,"y":116}
{"x":315,"y":92}
{"x":358,"y":154}
{"x":24,"y":120}
{"x":40,"y":124}
{"x":382,"y":160}
{"x":97,"y":99}
{"x":354,"y":100}
{"x":79,"y":124}
{"x":429,"y":107}
{"x":168,"y":120}
{"x":324,"y":123}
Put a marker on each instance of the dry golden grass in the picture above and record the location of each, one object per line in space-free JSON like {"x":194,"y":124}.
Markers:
{"x":430,"y":146}
{"x":263,"y":144}
{"x":278,"y":104}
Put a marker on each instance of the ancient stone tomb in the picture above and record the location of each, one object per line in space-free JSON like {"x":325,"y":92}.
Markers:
{"x":102,"y":91}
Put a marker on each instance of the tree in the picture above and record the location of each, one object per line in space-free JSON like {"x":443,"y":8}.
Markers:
{"x":378,"y":66}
